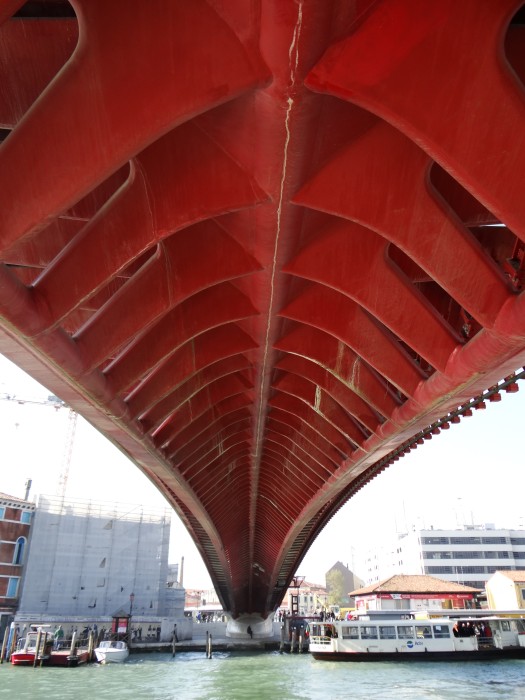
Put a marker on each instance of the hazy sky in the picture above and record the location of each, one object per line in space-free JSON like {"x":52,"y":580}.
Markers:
{"x":473,"y":473}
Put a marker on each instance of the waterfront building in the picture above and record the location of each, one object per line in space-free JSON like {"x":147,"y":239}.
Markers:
{"x":16,"y":517}
{"x":506,"y":590}
{"x":89,"y":559}
{"x":202,"y":605}
{"x":418,"y":592}
{"x":307,"y":598}
{"x":470,"y":555}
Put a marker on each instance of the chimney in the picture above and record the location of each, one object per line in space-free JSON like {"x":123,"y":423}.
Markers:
{"x":28,"y":485}
{"x":181,"y":574}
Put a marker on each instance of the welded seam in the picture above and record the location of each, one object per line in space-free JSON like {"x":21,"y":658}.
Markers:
{"x":290,"y":102}
{"x":294,"y":49}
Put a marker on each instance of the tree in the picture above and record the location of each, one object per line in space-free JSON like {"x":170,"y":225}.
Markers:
{"x":335,"y":587}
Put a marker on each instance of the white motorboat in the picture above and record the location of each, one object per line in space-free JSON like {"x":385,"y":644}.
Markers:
{"x":112,"y":652}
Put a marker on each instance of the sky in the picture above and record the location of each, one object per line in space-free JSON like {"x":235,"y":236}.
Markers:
{"x":472,"y":474}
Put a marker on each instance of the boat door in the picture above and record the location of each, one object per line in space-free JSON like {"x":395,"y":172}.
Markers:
{"x":505,"y":633}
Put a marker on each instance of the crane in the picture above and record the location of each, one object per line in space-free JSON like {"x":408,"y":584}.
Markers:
{"x":56,"y":403}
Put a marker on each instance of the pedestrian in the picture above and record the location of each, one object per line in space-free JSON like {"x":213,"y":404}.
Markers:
{"x":58,"y":637}
{"x":250,"y":632}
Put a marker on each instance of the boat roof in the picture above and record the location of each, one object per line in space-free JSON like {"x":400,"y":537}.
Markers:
{"x":421,"y":621}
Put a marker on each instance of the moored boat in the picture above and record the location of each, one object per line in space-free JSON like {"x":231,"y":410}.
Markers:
{"x":37,"y":648}
{"x":428,"y":639}
{"x":26,"y":649}
{"x":111,"y":652}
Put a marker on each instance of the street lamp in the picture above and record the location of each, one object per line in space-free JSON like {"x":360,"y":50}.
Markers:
{"x":131,"y":599}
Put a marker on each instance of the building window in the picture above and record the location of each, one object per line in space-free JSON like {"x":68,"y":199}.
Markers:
{"x":466,"y":554}
{"x":2,"y":512}
{"x":477,"y":584}
{"x":434,"y":540}
{"x":12,"y":587}
{"x":523,"y":593}
{"x":493,"y":569}
{"x":26,"y":517}
{"x":437,"y":555}
{"x":18,"y":557}
{"x":471,"y":569}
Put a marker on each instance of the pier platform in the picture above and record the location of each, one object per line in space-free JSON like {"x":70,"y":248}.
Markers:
{"x":220,"y":642}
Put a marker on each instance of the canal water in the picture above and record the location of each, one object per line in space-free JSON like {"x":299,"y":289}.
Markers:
{"x":265,"y":676}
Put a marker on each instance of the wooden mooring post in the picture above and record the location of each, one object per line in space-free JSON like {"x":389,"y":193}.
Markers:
{"x":4,"y":645}
{"x":37,"y":647}
{"x":208,"y":645}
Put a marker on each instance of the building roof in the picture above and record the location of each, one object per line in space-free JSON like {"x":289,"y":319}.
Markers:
{"x":516,"y":576}
{"x":14,"y":499}
{"x":419,"y":583}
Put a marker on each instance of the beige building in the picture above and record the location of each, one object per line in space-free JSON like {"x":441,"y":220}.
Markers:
{"x":506,"y":590}
{"x":304,"y":598}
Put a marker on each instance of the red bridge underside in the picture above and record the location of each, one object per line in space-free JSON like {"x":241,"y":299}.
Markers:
{"x":265,"y":246}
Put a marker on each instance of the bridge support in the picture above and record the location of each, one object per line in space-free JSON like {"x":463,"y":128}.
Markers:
{"x":260,"y":628}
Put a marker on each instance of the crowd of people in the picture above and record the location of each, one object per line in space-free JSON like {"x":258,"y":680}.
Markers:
{"x":470,"y":629}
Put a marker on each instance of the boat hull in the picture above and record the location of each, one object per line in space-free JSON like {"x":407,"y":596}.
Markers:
{"x":112,"y":652}
{"x":22,"y":659}
{"x":54,"y":659}
{"x":65,"y":658}
{"x":108,"y":658}
{"x":480,"y":655}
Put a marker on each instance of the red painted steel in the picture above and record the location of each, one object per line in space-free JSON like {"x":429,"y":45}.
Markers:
{"x":265,"y":246}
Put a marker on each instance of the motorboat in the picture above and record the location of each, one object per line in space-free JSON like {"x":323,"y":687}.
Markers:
{"x":38,"y":648}
{"x":26,"y":649}
{"x":418,"y":639}
{"x":111,"y":651}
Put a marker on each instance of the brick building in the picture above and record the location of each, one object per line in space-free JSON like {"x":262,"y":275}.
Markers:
{"x":16,"y":516}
